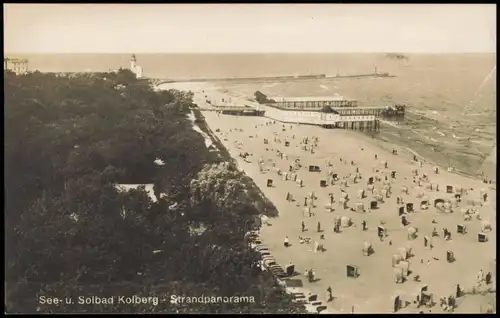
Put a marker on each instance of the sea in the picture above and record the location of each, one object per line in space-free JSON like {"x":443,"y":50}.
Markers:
{"x":451,"y":98}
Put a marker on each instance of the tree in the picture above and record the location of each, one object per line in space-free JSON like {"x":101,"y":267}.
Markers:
{"x":262,"y":99}
{"x":69,"y":141}
{"x":327,"y":109}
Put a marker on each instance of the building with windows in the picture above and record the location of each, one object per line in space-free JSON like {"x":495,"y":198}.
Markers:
{"x":327,"y":120}
{"x":337,"y":104}
{"x":325,"y":111}
{"x":18,"y":66}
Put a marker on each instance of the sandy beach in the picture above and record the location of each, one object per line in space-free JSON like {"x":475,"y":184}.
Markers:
{"x":349,"y":154}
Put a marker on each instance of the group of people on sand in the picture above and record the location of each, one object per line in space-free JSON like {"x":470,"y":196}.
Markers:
{"x":312,"y":142}
{"x":449,"y":303}
{"x":318,"y":227}
{"x":481,"y":278}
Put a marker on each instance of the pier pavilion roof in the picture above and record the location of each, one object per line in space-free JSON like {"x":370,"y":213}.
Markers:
{"x":308,"y":98}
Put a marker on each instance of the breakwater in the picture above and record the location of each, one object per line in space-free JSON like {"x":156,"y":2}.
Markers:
{"x":275,"y":78}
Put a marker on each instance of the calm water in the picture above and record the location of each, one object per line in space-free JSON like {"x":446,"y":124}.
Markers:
{"x":451,"y":97}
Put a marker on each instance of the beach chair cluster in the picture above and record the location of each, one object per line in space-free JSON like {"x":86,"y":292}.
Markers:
{"x":268,"y":262}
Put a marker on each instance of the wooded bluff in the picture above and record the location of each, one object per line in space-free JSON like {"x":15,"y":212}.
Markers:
{"x":70,"y":233}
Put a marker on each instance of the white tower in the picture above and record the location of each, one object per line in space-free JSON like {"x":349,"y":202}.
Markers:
{"x":133,"y":61}
{"x":136,"y":69}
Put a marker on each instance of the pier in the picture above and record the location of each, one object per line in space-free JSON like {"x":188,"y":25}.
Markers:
{"x":312,"y":111}
{"x":159,"y":81}
{"x":325,"y":120}
{"x":329,"y":112}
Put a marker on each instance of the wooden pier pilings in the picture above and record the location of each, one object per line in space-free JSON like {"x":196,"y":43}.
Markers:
{"x":356,"y":125}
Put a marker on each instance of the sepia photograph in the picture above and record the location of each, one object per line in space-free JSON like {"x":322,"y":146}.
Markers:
{"x":250,"y":158}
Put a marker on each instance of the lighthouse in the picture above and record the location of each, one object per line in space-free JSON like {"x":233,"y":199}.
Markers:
{"x":133,"y":61}
{"x":136,"y":69}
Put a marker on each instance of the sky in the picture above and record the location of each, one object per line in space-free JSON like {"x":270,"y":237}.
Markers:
{"x":249,"y":28}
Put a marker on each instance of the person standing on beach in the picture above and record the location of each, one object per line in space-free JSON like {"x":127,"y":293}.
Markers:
{"x":303,"y":226}
{"x":330,"y":295}
{"x":319,"y":227}
{"x":310,"y":277}
{"x":487,"y":279}
{"x":480,"y":277}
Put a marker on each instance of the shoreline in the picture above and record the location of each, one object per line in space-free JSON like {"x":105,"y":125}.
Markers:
{"x":376,"y":140}
{"x":370,"y":292}
{"x":447,"y":152}
{"x":282,"y":224}
{"x":381,"y":142}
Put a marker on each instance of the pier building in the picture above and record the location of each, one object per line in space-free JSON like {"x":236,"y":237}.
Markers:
{"x":331,"y":119}
{"x":336,"y":104}
{"x":240,"y":111}
{"x":315,"y":102}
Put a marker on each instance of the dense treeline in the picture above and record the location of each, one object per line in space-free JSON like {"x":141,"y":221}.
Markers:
{"x":70,"y":232}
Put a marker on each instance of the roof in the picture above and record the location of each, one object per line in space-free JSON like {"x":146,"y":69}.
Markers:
{"x":306,"y":109}
{"x":361,"y":107}
{"x":335,"y":109}
{"x":243,"y":107}
{"x":308,"y":98}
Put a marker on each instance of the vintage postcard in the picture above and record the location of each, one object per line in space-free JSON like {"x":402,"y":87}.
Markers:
{"x":250,"y":158}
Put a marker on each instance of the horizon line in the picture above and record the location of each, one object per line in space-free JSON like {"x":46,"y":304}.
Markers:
{"x":250,"y":52}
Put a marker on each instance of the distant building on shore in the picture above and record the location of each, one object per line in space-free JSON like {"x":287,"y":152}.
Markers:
{"x":18,"y":66}
{"x":136,"y":69}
